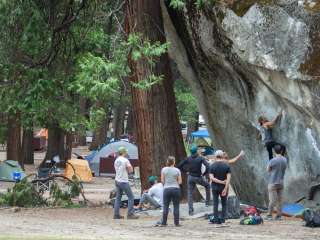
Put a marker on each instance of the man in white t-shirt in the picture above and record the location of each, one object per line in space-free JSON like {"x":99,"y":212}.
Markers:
{"x":122,"y":167}
{"x":153,"y":196}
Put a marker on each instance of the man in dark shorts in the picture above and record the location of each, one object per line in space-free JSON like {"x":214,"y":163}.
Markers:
{"x":193,"y":166}
{"x":220,"y":176}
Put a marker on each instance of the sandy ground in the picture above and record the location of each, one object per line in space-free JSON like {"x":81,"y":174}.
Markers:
{"x":97,"y":222}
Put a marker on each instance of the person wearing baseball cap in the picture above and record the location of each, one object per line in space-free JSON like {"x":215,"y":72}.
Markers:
{"x":153,"y":196}
{"x":193,"y":165}
{"x":123,"y":167}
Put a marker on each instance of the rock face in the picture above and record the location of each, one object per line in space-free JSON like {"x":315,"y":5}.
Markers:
{"x":243,"y":60}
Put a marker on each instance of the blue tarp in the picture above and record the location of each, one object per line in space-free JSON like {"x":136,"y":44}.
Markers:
{"x":293,"y":209}
{"x":91,"y":156}
{"x":201,"y":133}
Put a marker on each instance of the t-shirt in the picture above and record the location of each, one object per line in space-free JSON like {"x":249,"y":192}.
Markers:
{"x":278,"y":167}
{"x":219,"y":169}
{"x":194,"y":165}
{"x":120,"y":165}
{"x":156,"y":192}
{"x":170,"y":177}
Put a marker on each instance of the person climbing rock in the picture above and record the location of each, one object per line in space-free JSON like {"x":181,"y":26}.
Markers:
{"x":266,"y":134}
{"x":193,"y":165}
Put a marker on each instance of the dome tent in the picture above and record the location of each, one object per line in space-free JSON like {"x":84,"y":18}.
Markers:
{"x":111,"y":149}
{"x":7,"y":168}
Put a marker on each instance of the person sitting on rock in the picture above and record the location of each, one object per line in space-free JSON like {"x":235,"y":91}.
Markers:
{"x":266,"y":134}
{"x":153,"y":197}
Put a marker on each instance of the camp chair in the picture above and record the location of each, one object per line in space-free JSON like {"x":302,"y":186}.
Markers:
{"x":3,"y":146}
{"x":42,"y":181}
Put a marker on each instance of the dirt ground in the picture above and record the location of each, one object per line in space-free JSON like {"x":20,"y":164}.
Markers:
{"x":97,"y":222}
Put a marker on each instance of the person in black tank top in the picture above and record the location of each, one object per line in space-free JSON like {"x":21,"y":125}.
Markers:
{"x":266,"y":134}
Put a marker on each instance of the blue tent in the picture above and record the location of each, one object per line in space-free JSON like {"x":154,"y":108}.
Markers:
{"x":201,"y":133}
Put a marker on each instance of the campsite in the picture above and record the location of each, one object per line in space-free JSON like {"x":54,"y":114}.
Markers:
{"x":95,"y":221}
{"x":159,"y":119}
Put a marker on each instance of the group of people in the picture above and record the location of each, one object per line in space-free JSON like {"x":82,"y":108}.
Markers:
{"x":211,"y":173}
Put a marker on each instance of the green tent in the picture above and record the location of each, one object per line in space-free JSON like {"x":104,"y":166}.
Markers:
{"x":7,"y":168}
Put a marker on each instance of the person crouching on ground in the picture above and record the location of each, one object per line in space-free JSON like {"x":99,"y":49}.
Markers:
{"x":220,"y":176}
{"x":276,"y":168}
{"x":153,"y":196}
{"x":194,"y":164}
{"x":122,"y":167}
{"x":171,"y":179}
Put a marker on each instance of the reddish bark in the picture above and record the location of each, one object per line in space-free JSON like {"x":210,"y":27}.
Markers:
{"x":154,"y":110}
{"x":27,"y":153}
{"x":14,"y":139}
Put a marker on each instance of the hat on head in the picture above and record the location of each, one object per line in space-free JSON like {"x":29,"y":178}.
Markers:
{"x":122,"y":150}
{"x":193,"y":149}
{"x":219,"y":153}
{"x":152,"y":179}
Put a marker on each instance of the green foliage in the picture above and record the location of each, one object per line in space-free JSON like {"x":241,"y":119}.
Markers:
{"x":200,"y":4}
{"x":64,"y":198}
{"x":45,"y":65}
{"x":59,"y":197}
{"x":186,"y":102}
{"x":142,"y":49}
{"x":177,"y":4}
{"x":24,"y":194}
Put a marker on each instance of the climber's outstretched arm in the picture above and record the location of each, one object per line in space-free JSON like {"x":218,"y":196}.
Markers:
{"x":274,"y":121}
{"x":233,"y":160}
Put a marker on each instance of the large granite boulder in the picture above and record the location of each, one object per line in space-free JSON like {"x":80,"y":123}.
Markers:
{"x":247,"y":58}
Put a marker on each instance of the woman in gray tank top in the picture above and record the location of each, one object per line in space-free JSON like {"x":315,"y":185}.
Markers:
{"x":171,"y":179}
{"x":266,"y":133}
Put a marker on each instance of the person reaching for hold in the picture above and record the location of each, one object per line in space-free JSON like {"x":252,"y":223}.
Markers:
{"x":266,"y":133}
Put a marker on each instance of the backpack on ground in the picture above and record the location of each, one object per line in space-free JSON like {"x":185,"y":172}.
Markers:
{"x":311,"y":218}
{"x":214,"y":220}
{"x":252,"y":220}
{"x":250,"y":211}
{"x":233,"y":207}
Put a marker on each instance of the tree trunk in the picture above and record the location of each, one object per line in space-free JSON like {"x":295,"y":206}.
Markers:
{"x":81,"y":134}
{"x":14,"y":139}
{"x":100,"y":134}
{"x":56,"y":142}
{"x":155,"y":112}
{"x":193,"y":125}
{"x":118,"y":120}
{"x":130,"y":123}
{"x":27,"y":153}
{"x":68,"y":146}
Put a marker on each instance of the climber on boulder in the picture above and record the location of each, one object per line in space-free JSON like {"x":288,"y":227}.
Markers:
{"x":266,"y":133}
